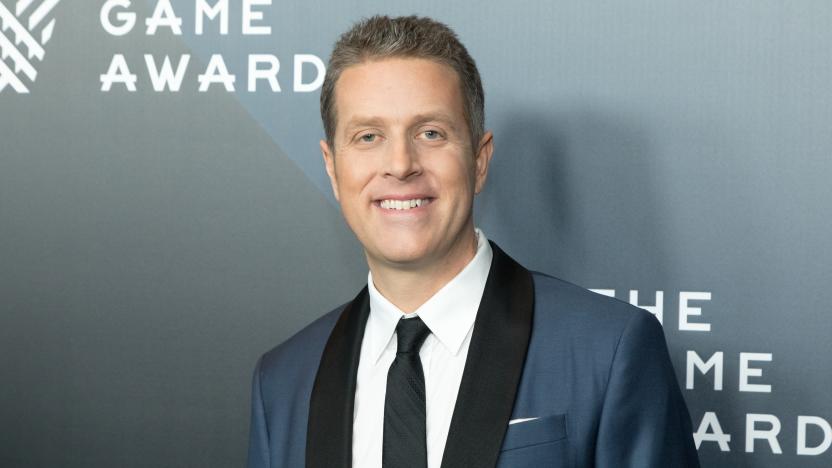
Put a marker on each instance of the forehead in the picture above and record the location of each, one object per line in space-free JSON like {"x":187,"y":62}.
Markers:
{"x":397,"y":89}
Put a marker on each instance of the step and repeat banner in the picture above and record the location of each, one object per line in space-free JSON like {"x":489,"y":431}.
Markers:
{"x":165,"y":217}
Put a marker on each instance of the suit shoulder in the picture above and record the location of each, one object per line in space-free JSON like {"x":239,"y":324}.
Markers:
{"x":306,"y":344}
{"x":558,"y":302}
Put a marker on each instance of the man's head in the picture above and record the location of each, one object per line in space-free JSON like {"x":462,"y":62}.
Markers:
{"x":399,"y":148}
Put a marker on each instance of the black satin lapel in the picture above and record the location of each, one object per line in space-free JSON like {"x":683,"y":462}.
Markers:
{"x":494,"y":365}
{"x":329,"y":429}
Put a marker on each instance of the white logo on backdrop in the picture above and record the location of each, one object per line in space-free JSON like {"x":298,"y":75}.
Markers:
{"x":22,"y":40}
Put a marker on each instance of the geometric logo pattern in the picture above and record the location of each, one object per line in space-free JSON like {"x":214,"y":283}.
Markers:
{"x":22,"y":37}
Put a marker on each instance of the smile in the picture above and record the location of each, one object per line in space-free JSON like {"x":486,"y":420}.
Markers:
{"x":403,"y":204}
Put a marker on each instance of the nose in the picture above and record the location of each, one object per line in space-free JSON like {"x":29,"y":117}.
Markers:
{"x":402,"y":160}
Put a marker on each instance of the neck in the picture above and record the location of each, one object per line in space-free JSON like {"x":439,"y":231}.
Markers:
{"x":409,"y":288}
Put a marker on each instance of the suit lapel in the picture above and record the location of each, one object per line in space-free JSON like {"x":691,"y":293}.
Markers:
{"x":494,"y":365}
{"x":329,"y":428}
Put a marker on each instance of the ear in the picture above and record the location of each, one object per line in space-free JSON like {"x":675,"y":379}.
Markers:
{"x":329,"y":164}
{"x":482,"y":159}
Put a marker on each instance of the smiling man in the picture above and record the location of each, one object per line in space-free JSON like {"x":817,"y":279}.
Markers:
{"x":453,"y":355}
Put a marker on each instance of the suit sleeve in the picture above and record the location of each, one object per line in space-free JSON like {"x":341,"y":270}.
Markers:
{"x":258,"y":442}
{"x":644,"y":421}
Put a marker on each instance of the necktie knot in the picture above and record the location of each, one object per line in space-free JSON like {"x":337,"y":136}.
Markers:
{"x":410,"y":334}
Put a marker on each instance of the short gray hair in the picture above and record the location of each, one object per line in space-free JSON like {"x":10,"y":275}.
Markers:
{"x":404,"y":36}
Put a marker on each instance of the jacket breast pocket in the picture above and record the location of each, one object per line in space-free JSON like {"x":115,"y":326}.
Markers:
{"x":535,"y":443}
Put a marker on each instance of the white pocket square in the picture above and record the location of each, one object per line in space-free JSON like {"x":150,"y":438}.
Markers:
{"x":520,"y":420}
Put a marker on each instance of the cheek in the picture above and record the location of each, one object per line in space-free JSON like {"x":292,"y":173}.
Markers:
{"x":352,"y":180}
{"x":459,"y":177}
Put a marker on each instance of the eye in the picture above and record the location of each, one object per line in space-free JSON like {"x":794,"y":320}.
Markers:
{"x":367,"y":138}
{"x":432,"y":134}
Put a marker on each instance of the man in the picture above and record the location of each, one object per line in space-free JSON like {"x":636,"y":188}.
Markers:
{"x":453,"y":355}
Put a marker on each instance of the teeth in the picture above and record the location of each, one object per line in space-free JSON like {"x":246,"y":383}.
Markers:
{"x":402,"y":204}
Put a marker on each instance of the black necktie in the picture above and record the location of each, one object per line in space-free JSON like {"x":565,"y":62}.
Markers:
{"x":404,"y":444}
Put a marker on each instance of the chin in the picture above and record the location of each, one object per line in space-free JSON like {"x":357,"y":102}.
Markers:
{"x":402,"y":256}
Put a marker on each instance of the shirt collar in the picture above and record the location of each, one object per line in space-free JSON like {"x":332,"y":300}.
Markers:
{"x":449,"y":314}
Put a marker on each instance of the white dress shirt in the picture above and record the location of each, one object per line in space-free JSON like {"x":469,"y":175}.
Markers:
{"x":449,"y":314}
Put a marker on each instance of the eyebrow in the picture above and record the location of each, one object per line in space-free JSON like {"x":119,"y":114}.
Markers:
{"x":435,"y":117}
{"x":360,"y":121}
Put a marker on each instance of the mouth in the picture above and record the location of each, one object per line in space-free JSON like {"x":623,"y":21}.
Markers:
{"x":403,"y":204}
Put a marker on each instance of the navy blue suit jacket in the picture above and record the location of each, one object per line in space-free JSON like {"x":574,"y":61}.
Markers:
{"x":593,"y":370}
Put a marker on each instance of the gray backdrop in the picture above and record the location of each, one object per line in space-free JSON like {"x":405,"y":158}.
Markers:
{"x":153,"y":244}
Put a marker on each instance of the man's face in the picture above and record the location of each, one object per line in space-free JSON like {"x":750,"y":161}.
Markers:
{"x":403,"y":168}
